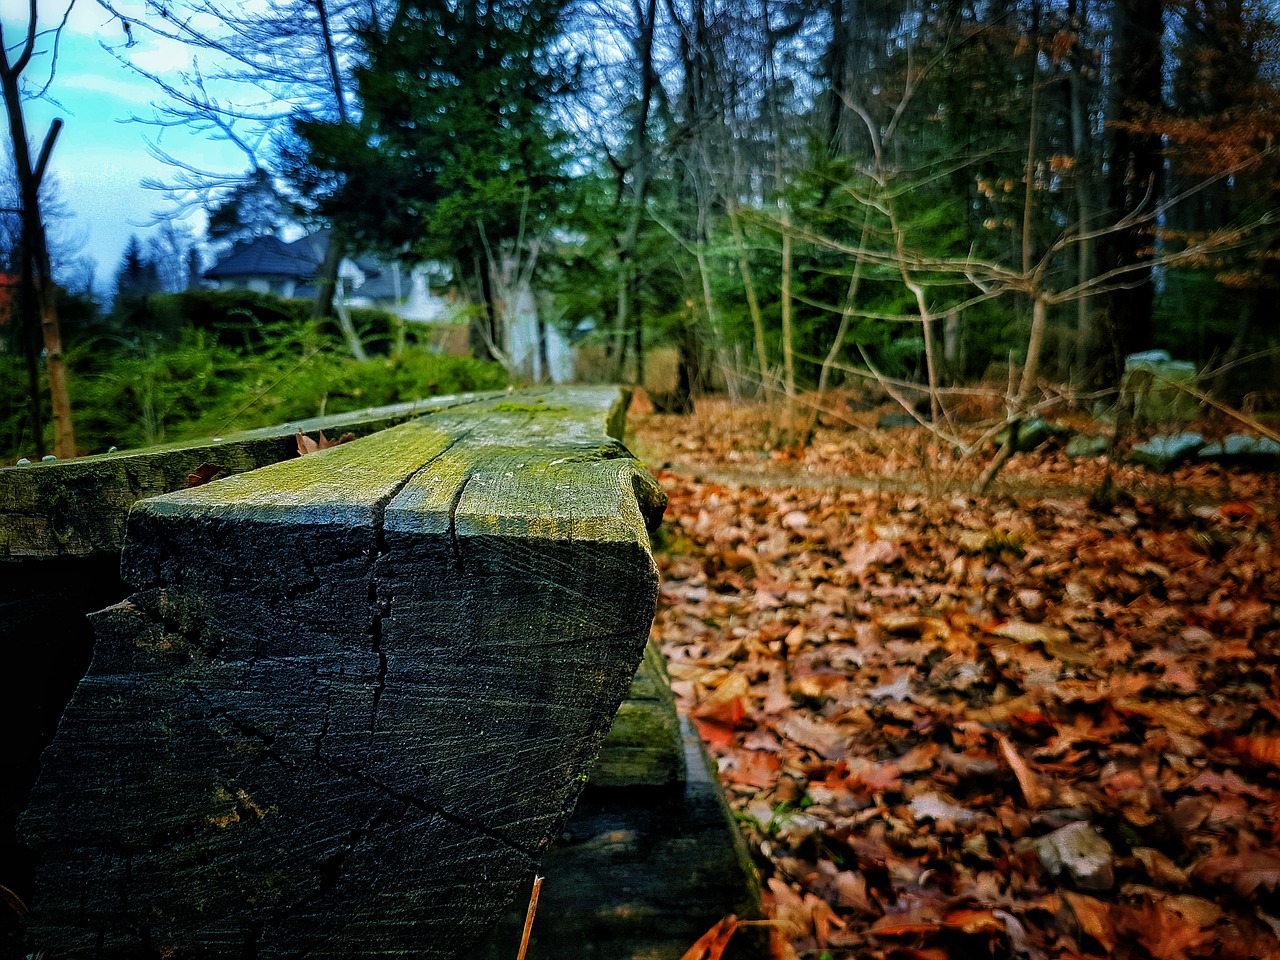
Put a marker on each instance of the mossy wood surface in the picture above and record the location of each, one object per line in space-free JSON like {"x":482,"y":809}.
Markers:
{"x":643,"y":747}
{"x":78,"y":507}
{"x":353,"y":696}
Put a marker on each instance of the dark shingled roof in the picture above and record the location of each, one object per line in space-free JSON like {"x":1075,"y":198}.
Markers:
{"x":265,"y":257}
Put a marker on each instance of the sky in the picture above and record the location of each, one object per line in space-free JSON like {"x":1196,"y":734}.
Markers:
{"x":101,"y":157}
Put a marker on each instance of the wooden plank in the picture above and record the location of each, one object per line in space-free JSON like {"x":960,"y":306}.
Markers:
{"x":78,"y":507}
{"x":643,"y":747}
{"x":354,"y":695}
{"x":640,"y":875}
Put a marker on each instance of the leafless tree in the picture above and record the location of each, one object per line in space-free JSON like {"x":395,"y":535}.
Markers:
{"x":39,"y":294}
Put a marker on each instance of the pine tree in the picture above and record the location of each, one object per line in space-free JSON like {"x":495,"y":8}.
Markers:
{"x":137,"y":276}
{"x":457,"y":152}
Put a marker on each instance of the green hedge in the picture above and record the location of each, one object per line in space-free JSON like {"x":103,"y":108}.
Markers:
{"x":136,"y":388}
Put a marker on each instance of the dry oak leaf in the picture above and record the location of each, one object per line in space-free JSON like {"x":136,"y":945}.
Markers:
{"x":1244,"y":872}
{"x":826,"y":739}
{"x":1034,"y":792}
{"x":711,"y":945}
{"x":1094,"y":918}
{"x":1163,"y":932}
{"x":749,"y":768}
{"x":1160,"y":868}
{"x":724,"y":705}
{"x":1262,"y":749}
{"x":204,"y":473}
{"x":307,"y":445}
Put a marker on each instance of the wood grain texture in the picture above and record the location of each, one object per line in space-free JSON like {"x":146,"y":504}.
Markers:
{"x":78,"y":507}
{"x":353,"y":696}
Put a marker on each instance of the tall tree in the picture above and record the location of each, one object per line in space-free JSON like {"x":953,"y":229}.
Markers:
{"x":137,"y":275}
{"x":39,"y":297}
{"x":1135,"y":164}
{"x":457,"y":155}
{"x":273,"y":64}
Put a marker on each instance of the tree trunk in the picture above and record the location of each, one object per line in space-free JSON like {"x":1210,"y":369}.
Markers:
{"x":37,"y":271}
{"x":1135,"y":170}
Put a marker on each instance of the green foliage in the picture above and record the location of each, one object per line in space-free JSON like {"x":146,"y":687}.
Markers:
{"x":457,"y":150}
{"x":147,"y":388}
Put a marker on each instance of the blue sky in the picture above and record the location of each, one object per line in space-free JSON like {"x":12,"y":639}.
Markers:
{"x":101,"y":158}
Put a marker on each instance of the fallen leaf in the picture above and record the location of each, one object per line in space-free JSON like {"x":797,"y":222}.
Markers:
{"x":711,"y":945}
{"x":1263,"y":749}
{"x":724,"y":705}
{"x":1160,"y":868}
{"x":1171,"y":715}
{"x":204,"y":473}
{"x":1244,"y":872}
{"x":749,"y":768}
{"x":793,"y":917}
{"x":306,"y":445}
{"x":1034,"y":792}
{"x":931,"y":806}
{"x":1094,"y":918}
{"x":1162,"y":932}
{"x":826,"y":739}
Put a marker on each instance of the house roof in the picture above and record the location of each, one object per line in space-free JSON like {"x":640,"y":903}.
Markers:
{"x":265,"y":257}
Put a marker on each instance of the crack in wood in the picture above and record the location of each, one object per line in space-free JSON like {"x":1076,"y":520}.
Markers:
{"x":423,"y":806}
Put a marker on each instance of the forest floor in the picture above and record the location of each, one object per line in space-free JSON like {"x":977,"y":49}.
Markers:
{"x":1029,"y":724}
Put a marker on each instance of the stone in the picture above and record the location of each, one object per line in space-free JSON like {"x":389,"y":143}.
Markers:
{"x":897,"y":421}
{"x":1080,"y":853}
{"x":1243,"y":449}
{"x":1154,"y":381}
{"x":1087,"y":445}
{"x":1032,"y":432}
{"x":1163,"y":453}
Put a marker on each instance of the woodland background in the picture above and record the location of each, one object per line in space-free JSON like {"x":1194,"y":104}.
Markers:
{"x":794,"y":193}
{"x":914,"y":675}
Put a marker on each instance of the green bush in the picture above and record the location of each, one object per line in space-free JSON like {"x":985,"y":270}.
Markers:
{"x":133,"y":392}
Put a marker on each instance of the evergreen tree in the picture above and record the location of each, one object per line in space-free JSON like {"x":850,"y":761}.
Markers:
{"x":457,"y":153}
{"x":137,"y":276}
{"x":250,"y":210}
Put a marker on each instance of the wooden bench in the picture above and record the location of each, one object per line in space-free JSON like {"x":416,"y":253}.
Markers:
{"x":353,"y":696}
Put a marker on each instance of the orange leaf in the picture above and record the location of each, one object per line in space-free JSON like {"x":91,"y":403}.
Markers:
{"x":1263,"y":749}
{"x":1035,"y":792}
{"x":1094,"y":918}
{"x":715,"y":734}
{"x":1244,"y":871}
{"x":1237,"y":510}
{"x":750,"y":768}
{"x":711,"y":945}
{"x":307,"y":445}
{"x":204,"y":473}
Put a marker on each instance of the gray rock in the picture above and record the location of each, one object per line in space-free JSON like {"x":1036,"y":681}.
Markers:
{"x":1243,"y":448}
{"x":1165,"y":452}
{"x":1154,"y":380}
{"x":1032,"y":432}
{"x":1087,"y":445}
{"x":897,"y":421}
{"x":1079,"y":852}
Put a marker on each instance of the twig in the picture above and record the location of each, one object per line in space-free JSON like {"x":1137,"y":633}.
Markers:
{"x":528,"y":917}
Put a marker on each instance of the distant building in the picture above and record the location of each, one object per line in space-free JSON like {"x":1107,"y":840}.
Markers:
{"x":270,"y":265}
{"x":532,"y":350}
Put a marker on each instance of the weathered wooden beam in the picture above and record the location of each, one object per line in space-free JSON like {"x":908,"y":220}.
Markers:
{"x":354,"y":695}
{"x":78,"y":507}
